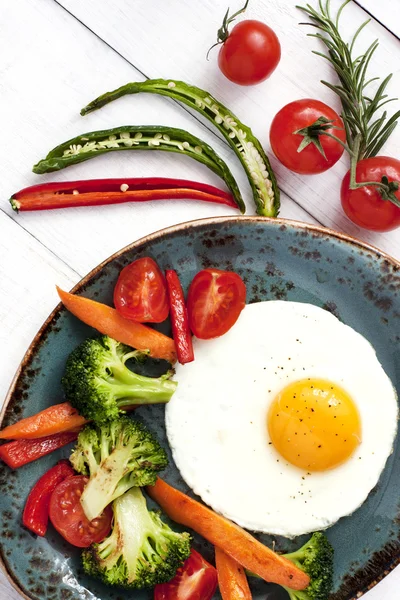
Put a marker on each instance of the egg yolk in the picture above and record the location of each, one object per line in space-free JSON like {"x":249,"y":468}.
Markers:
{"x":314,"y":424}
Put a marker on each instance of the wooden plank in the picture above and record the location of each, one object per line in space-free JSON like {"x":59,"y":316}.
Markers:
{"x":180,"y":34}
{"x":386,"y":12}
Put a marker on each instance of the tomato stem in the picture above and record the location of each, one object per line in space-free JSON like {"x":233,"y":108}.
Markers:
{"x":223,"y":31}
{"x":312,"y":132}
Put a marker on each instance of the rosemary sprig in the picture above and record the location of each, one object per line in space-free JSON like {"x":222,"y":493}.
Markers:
{"x":366,"y":130}
{"x":359,"y":107}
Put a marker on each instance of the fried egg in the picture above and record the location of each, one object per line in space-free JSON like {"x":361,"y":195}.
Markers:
{"x":285,"y":423}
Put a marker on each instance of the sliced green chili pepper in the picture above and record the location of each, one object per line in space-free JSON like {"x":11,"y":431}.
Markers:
{"x":138,"y":137}
{"x":247,"y":147}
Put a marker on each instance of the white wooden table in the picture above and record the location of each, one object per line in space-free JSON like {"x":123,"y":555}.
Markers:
{"x":56,"y":55}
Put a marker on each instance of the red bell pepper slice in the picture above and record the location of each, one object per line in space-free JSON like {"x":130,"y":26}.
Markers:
{"x":179,"y":318}
{"x":21,"y":452}
{"x":36,"y":511}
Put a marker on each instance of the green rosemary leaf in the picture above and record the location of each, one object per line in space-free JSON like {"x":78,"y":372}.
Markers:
{"x":379,"y":106}
{"x":382,"y":140}
{"x":357,"y":33}
{"x":363,"y":65}
{"x":344,"y":97}
{"x":375,"y":127}
{"x":340,"y":12}
{"x":376,"y":143}
{"x":378,"y":96}
{"x":367,"y":83}
{"x":322,"y":54}
{"x":349,"y":136}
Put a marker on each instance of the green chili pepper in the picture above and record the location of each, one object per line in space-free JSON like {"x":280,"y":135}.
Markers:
{"x":138,"y":137}
{"x":247,"y":147}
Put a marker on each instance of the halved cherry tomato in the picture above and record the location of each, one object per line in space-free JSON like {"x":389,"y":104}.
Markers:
{"x":195,"y":580}
{"x":36,"y":512}
{"x":215,"y":300}
{"x":67,"y":516}
{"x":250,"y":53}
{"x":285,"y":142}
{"x":140,"y":293}
{"x":365,"y":206}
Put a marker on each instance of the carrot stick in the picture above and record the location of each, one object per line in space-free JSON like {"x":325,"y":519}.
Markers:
{"x":235,"y":541}
{"x":232,"y":579}
{"x":109,"y":322}
{"x":55,"y":419}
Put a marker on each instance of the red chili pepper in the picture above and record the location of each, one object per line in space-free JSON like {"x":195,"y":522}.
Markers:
{"x":96,"y":192}
{"x":21,"y":452}
{"x":179,"y":318}
{"x":36,"y":511}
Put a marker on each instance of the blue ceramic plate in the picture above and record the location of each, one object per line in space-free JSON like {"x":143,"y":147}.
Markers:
{"x":278,"y":260}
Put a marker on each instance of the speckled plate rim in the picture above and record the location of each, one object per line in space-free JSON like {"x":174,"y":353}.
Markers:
{"x":161,"y":233}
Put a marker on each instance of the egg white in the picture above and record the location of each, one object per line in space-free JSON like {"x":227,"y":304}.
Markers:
{"x":217,"y":419}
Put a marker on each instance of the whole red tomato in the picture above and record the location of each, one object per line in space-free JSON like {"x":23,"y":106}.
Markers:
{"x":195,"y":580}
{"x":300,"y":114}
{"x":365,"y":206}
{"x":140,"y":293}
{"x":250,"y":53}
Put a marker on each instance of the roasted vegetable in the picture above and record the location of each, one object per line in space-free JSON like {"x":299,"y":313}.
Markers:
{"x":141,"y":550}
{"x":108,"y":321}
{"x":235,"y":541}
{"x":57,"y":418}
{"x":21,"y":452}
{"x":117,"y":456}
{"x":179,"y":318}
{"x":99,"y":384}
{"x":36,"y":512}
{"x":316,"y":559}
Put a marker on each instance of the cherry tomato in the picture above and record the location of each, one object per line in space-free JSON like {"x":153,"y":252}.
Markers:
{"x":215,"y":301}
{"x":67,"y":516}
{"x":365,"y":206}
{"x":195,"y":580}
{"x":140,"y":293}
{"x":298,"y":115}
{"x":250,"y":53}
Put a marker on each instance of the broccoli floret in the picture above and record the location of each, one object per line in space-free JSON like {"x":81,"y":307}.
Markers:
{"x":141,"y":551}
{"x":316,"y":559}
{"x":117,"y":456}
{"x":99,"y":384}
